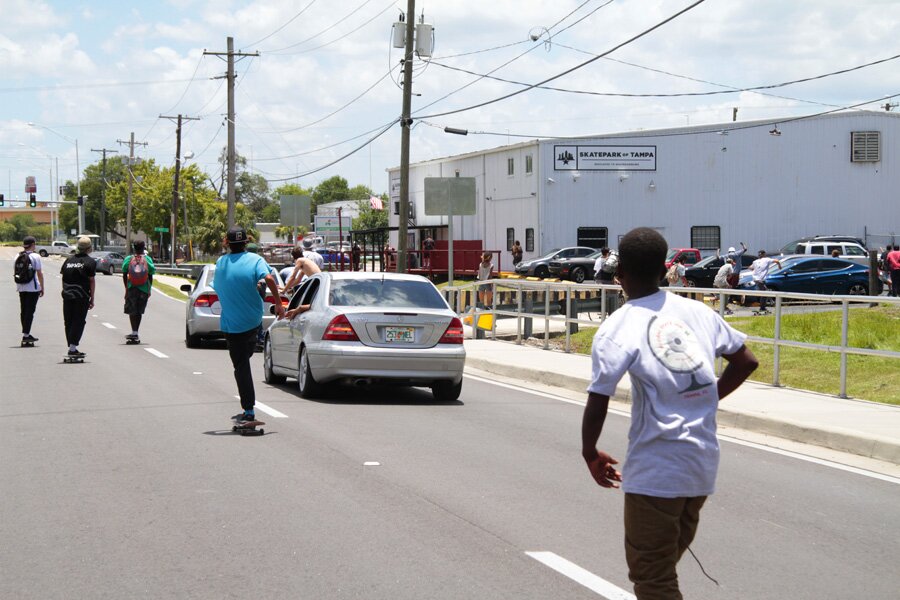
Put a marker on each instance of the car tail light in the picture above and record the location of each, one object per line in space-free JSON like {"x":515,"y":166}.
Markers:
{"x":206,"y":300}
{"x":454,"y":333}
{"x":284,"y":301}
{"x":340,"y":330}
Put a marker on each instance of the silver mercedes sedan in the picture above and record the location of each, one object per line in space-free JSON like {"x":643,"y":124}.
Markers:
{"x":363,"y":328}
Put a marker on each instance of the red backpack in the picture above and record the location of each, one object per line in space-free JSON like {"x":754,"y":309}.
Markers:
{"x":137,"y":270}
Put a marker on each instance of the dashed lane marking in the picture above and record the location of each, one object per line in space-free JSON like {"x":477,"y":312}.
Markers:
{"x":371,"y":463}
{"x":270,"y":411}
{"x":109,"y":325}
{"x":156,"y":353}
{"x":595,"y":583}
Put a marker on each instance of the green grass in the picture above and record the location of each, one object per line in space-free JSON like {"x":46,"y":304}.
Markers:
{"x":168,"y":290}
{"x":868,"y":377}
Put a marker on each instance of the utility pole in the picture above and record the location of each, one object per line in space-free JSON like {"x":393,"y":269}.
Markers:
{"x":103,"y":197}
{"x":131,"y":143}
{"x":405,"y":123}
{"x":174,"y":219}
{"x":230,"y":54}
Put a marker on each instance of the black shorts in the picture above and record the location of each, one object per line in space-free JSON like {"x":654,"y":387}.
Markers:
{"x":135,"y":301}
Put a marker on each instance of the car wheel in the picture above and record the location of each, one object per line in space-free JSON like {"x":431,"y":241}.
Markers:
{"x":541,"y":271}
{"x":191,"y":341}
{"x":858,"y":289}
{"x":446,"y":391}
{"x":269,"y":374}
{"x":578,"y":275}
{"x":112,"y":270}
{"x":305,"y":382}
{"x":43,"y":253}
{"x":691,"y":283}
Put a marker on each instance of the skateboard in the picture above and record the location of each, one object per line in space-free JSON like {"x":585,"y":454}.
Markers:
{"x":27,"y":344}
{"x":248,"y":427}
{"x":73,"y":359}
{"x":132,"y":341}
{"x":758,"y":313}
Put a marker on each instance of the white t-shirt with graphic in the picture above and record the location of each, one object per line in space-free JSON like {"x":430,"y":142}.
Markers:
{"x":668,"y":345}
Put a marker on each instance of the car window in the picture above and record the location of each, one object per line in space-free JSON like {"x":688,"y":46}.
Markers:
{"x":670,"y":255}
{"x":298,"y":295}
{"x":309,"y":294}
{"x":851,"y":250}
{"x":387,"y":293}
{"x":832,"y":265}
{"x":690,"y":258}
{"x":792,"y":248}
{"x":210,"y":277}
{"x":816,"y":249}
{"x":584,"y":252}
{"x":804,"y":266}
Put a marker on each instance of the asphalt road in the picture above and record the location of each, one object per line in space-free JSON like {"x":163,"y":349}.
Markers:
{"x":121,"y":479}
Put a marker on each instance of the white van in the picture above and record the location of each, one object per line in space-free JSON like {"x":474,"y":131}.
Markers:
{"x":848,"y":250}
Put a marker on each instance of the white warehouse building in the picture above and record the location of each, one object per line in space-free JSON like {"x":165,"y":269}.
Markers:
{"x":764,"y":183}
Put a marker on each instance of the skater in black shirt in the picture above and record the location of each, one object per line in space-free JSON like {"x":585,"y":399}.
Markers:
{"x":78,"y":292}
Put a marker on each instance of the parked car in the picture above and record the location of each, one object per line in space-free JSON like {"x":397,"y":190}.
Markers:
{"x":704,"y":272}
{"x":203,"y":309}
{"x":108,"y":262}
{"x":791,"y":247}
{"x":540,"y":267}
{"x":817,"y":275}
{"x":691,"y":256}
{"x":362,"y":328}
{"x":578,"y":269}
{"x":847,"y":250}
{"x":59,"y":247}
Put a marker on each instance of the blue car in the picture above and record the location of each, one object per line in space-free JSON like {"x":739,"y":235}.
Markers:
{"x":817,"y":275}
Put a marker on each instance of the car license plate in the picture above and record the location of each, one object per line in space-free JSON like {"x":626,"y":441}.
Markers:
{"x":399,"y":334}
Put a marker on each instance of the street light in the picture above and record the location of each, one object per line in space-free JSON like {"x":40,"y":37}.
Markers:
{"x":53,"y":224}
{"x":77,"y":169}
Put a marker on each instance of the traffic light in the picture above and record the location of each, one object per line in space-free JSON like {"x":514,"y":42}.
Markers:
{"x":2,"y":201}
{"x":80,"y":200}
{"x":32,"y":201}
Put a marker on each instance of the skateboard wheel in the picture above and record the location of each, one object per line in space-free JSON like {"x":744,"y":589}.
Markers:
{"x":234,"y":429}
{"x":262,"y":431}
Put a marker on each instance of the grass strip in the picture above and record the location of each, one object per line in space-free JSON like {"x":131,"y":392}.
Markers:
{"x":168,"y":290}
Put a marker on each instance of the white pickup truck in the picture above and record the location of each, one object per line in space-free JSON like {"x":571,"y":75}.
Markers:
{"x":59,"y":247}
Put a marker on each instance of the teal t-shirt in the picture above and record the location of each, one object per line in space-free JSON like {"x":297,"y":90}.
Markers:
{"x":151,"y":270}
{"x":235,"y":284}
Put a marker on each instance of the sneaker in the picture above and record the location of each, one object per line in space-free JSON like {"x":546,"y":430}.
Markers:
{"x":131,"y":336}
{"x":29,"y":338}
{"x":243,"y":417}
{"x":76,"y":353}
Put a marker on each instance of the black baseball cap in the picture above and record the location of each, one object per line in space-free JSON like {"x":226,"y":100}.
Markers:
{"x":237,"y":235}
{"x":28,"y":241}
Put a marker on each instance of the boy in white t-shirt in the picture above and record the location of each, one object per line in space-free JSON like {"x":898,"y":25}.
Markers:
{"x":668,"y":345}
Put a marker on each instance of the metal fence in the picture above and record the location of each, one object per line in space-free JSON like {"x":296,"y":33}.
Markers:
{"x":563,"y":303}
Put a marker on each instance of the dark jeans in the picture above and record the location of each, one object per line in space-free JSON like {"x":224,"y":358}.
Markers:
{"x":28,"y":303}
{"x":241,"y":347}
{"x":763,"y":300}
{"x":895,"y":282}
{"x":75,"y":316}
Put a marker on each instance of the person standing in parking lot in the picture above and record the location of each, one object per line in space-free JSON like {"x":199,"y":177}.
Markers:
{"x":237,"y":274}
{"x":892,"y":260}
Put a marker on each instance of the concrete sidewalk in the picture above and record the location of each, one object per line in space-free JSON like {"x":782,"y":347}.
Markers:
{"x":856,"y":426}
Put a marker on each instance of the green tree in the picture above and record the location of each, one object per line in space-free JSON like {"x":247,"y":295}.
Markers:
{"x":370,"y":218}
{"x":359,"y":192}
{"x":210,"y":231}
{"x":22,"y":223}
{"x":332,"y":189}
{"x":7,"y":232}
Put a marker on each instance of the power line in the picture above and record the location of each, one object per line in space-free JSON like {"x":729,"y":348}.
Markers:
{"x":327,"y":29}
{"x":188,"y":86}
{"x":575,"y":68}
{"x":342,"y":142}
{"x":79,"y":86}
{"x":676,"y":94}
{"x":288,"y":22}
{"x":349,"y":33}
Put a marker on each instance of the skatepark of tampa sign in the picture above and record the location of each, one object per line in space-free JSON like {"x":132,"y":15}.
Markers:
{"x":604,"y":158}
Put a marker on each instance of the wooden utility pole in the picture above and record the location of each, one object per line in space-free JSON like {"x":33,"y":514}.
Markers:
{"x":131,"y":143}
{"x":174,"y":217}
{"x":405,"y":123}
{"x":103,"y":197}
{"x":230,"y":54}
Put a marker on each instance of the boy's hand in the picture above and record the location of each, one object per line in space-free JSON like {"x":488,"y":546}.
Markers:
{"x":600,"y":464}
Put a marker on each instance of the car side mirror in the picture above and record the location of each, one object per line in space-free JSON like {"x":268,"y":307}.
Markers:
{"x":186,"y":288}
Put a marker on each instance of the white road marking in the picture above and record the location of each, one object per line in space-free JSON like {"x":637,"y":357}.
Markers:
{"x":270,"y":411}
{"x":725,"y":438}
{"x":371,"y":463}
{"x":198,"y":372}
{"x":156,"y":353}
{"x":109,"y":325}
{"x":577,"y":574}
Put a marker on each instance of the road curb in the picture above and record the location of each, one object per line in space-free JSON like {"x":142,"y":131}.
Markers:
{"x":831,"y":438}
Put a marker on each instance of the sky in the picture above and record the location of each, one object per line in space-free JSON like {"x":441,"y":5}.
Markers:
{"x":326,"y":80}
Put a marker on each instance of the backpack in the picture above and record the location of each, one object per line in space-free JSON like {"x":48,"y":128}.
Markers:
{"x":137,"y":270}
{"x":672,"y":274}
{"x":611,"y":263}
{"x":24,"y":268}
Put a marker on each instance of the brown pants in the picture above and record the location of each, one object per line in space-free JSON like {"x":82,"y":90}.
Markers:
{"x":657,"y":532}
